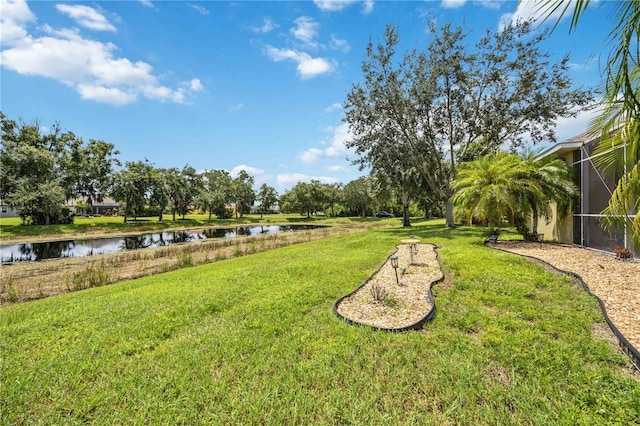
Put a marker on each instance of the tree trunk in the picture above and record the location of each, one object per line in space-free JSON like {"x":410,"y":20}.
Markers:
{"x":405,"y":215}
{"x":209,"y":215}
{"x":160,"y":216}
{"x":449,"y":214}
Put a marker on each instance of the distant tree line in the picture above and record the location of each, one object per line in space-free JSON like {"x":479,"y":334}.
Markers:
{"x":41,"y":171}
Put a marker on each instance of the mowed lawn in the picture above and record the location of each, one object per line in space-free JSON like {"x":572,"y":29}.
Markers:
{"x":253,"y":340}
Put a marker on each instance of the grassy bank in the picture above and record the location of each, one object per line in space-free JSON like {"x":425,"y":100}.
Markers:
{"x":24,"y":281}
{"x":253,"y":340}
{"x":11,"y":229}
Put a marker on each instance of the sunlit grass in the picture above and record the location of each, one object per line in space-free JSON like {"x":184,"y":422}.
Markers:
{"x":254,"y":340}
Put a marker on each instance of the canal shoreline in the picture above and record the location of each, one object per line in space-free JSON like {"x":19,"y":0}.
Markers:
{"x":25,"y":281}
{"x":90,"y":245}
{"x":6,"y":240}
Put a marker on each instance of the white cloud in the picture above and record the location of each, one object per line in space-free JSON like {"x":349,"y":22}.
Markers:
{"x":147,"y":3}
{"x":267,"y":26}
{"x":452,"y":4}
{"x":306,"y":30}
{"x":290,"y":179}
{"x":333,"y":107}
{"x":368,"y":7}
{"x":87,"y":66}
{"x":308,"y":66}
{"x":336,"y":169}
{"x":236,"y":107}
{"x":340,"y":136}
{"x":335,"y":5}
{"x":490,"y":4}
{"x":338,"y":44}
{"x":252,"y":171}
{"x":86,"y":17}
{"x":311,"y":155}
{"x":15,"y":14}
{"x":201,"y":9}
{"x":569,"y":127}
{"x":259,"y":175}
{"x":535,"y":11}
{"x":196,"y":85}
{"x":113,"y":96}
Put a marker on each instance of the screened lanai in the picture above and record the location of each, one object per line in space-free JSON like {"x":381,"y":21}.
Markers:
{"x":595,"y":190}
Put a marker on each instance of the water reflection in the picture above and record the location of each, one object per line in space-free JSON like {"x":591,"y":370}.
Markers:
{"x":79,"y":248}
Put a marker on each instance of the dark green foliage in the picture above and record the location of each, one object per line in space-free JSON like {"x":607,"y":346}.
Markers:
{"x":242,"y":193}
{"x":452,"y":102}
{"x":39,"y":172}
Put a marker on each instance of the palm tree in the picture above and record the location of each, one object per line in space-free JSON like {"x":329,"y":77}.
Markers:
{"x":486,"y":188}
{"x":554,"y":185}
{"x":619,"y":121}
{"x":507,"y":185}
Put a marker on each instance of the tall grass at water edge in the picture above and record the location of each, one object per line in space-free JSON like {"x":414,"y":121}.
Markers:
{"x":253,"y":340}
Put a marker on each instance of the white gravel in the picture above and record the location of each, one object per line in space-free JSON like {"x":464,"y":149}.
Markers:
{"x":407,"y":301}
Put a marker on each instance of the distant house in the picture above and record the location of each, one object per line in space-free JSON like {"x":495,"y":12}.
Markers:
{"x":583,"y":226}
{"x":7,"y":211}
{"x":107,"y":206}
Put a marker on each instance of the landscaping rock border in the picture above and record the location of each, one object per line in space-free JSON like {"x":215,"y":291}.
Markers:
{"x":415,"y":325}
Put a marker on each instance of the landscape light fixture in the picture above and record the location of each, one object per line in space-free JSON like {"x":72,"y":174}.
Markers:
{"x":394,"y":264}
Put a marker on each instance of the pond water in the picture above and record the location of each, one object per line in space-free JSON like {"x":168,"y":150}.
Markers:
{"x":88,"y":247}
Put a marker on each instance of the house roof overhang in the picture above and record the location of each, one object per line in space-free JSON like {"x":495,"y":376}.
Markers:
{"x":569,"y":145}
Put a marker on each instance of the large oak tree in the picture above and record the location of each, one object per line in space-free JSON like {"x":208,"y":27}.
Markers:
{"x":454,"y":102}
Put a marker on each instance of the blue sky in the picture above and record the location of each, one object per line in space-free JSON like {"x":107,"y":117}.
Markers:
{"x":229,"y":85}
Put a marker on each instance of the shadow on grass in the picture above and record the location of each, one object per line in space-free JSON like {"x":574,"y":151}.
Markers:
{"x":435,"y":228}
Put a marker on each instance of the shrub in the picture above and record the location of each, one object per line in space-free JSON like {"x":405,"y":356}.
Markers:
{"x":622,"y":253}
{"x":11,"y":292}
{"x":184,"y":260}
{"x":92,"y":276}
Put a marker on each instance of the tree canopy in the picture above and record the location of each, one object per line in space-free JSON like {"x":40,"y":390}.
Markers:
{"x":39,"y":171}
{"x":454,"y":102}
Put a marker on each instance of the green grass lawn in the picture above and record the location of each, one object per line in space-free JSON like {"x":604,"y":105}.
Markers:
{"x":11,"y":228}
{"x":253,"y":340}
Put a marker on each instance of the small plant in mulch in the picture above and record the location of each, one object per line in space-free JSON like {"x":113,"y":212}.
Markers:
{"x":382,"y":296}
{"x":622,"y":253}
{"x":378,"y":293}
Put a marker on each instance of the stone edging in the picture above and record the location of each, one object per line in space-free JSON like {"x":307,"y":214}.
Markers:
{"x":415,"y":326}
{"x":627,"y":348}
